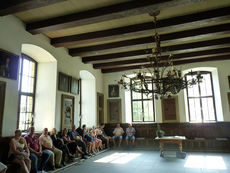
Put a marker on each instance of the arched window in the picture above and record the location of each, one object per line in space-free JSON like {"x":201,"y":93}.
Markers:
{"x":142,"y":107}
{"x":27,"y":86}
{"x":200,"y":99}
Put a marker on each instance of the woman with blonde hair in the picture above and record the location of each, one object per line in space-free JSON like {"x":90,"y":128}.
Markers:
{"x":19,"y":152}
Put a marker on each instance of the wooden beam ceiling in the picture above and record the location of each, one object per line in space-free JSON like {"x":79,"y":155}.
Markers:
{"x":215,"y":58}
{"x":188,"y":47}
{"x":188,"y":35}
{"x":103,"y":14}
{"x":140,"y":61}
{"x":182,"y":22}
{"x":14,"y":6}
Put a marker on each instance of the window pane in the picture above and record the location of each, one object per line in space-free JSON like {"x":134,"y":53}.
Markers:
{"x":206,"y":85}
{"x":26,"y":67}
{"x":137,"y":111}
{"x":208,"y":109}
{"x":23,"y":104}
{"x":148,"y":110}
{"x":22,"y":121}
{"x":29,"y":104}
{"x":195,"y":110}
{"x":136,"y":95}
{"x":145,"y":96}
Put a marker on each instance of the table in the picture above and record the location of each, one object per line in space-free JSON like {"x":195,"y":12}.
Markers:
{"x":171,"y":139}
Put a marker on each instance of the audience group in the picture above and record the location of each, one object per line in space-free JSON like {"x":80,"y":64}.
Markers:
{"x":54,"y":148}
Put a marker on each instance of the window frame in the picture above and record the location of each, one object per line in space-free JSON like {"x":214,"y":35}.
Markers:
{"x":33,"y":95}
{"x":142,"y":104}
{"x":200,"y":99}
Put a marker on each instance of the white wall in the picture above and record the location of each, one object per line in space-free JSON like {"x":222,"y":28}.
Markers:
{"x":220,"y":78}
{"x":13,"y":35}
{"x":88,"y":99}
{"x":45,"y":95}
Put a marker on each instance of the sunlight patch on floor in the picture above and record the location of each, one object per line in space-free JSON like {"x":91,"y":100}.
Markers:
{"x":118,"y":158}
{"x":206,"y":162}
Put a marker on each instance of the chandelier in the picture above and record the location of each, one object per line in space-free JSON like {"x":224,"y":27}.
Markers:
{"x":158,"y":78}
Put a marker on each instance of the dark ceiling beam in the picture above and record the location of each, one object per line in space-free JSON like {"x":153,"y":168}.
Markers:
{"x":103,"y":14}
{"x":215,"y":58}
{"x":188,"y":35}
{"x":182,"y":22}
{"x":180,"y":48}
{"x":198,"y":54}
{"x":15,"y":6}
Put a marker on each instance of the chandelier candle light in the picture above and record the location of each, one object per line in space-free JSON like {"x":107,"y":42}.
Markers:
{"x":167,"y":80}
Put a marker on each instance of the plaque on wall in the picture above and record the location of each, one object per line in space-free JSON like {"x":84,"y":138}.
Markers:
{"x":114,"y":110}
{"x":170,"y":109}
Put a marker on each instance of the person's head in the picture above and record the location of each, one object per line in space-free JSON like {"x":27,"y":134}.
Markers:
{"x":118,"y":125}
{"x":84,"y":126}
{"x":65,"y":131}
{"x":45,"y":131}
{"x":129,"y":125}
{"x":102,"y":125}
{"x":93,"y":128}
{"x":73,"y":128}
{"x":31,"y":130}
{"x":54,"y":131}
{"x":18,"y":133}
{"x":97,"y":131}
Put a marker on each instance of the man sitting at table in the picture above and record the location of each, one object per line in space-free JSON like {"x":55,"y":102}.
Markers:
{"x":118,"y":132}
{"x":130,"y":132}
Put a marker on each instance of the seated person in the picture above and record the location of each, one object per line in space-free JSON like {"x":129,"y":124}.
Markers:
{"x":71,"y":144}
{"x":130,"y":132}
{"x":118,"y":132}
{"x":88,"y":139}
{"x":102,"y":135}
{"x":3,"y":168}
{"x":74,"y":136}
{"x":19,"y":152}
{"x":59,"y":143}
{"x":47,"y":144}
{"x":36,"y":151}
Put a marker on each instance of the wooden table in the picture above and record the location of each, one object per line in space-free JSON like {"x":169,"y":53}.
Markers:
{"x":171,"y":139}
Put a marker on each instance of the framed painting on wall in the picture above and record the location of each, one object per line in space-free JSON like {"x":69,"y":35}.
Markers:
{"x":63,"y":82}
{"x":170,"y":111}
{"x":113,"y":91}
{"x":74,"y":86}
{"x":67,"y":112}
{"x":229,"y":100}
{"x":229,"y":82}
{"x":8,"y":65}
{"x":2,"y":101}
{"x":114,"y":110}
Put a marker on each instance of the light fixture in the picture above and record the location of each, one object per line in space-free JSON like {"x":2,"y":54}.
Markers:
{"x":167,"y":80}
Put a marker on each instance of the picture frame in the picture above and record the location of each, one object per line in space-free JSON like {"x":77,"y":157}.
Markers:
{"x":228,"y":100}
{"x":2,"y":101}
{"x":113,"y":91}
{"x":9,"y":63}
{"x":114,"y":110}
{"x":63,"y":82}
{"x":170,"y":110}
{"x":67,"y":111}
{"x":74,"y":86}
{"x":229,"y":82}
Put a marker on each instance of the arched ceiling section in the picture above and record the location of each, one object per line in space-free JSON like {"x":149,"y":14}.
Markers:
{"x":37,"y":53}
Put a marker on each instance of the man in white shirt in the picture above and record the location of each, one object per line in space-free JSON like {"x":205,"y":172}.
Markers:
{"x":118,"y":132}
{"x":47,"y":144}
